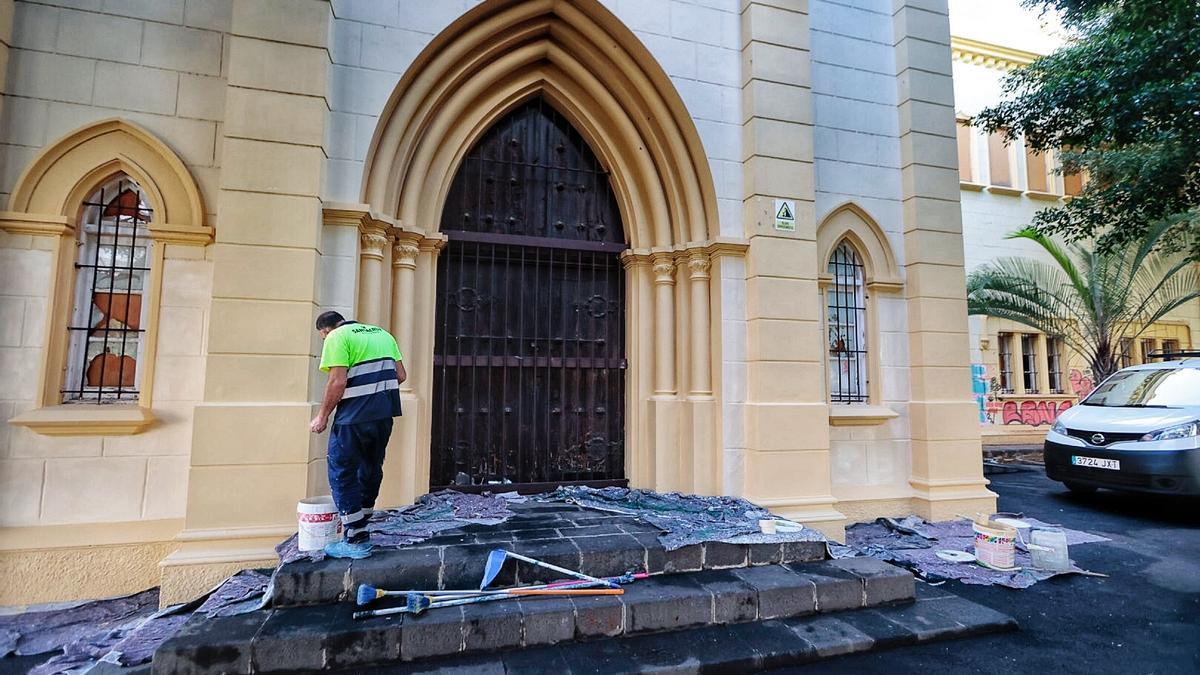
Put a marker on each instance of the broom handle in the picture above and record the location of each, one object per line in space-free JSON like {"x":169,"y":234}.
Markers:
{"x":556,"y":568}
{"x":467,"y":601}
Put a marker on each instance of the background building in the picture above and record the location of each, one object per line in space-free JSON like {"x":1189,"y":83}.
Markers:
{"x":709,"y":246}
{"x":1022,"y":378}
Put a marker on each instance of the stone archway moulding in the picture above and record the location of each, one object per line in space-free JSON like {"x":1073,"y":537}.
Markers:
{"x":850,"y":221}
{"x":595,"y":72}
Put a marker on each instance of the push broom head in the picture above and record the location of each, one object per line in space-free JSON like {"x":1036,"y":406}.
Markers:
{"x":417,"y":603}
{"x":368,"y":594}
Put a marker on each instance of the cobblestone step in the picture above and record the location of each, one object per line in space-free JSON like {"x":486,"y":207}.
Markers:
{"x":591,"y":542}
{"x":326,"y":637}
{"x":738,"y":648}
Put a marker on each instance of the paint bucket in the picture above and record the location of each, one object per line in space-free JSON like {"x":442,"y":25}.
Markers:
{"x":319,"y":523}
{"x":1048,"y":547}
{"x":995,"y":545}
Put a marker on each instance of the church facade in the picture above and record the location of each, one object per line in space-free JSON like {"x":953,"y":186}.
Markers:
{"x":710,"y":246}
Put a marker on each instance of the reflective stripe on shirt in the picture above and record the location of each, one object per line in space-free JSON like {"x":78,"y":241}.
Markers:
{"x":372,"y":388}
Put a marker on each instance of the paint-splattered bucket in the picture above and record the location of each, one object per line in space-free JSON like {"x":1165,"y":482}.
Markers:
{"x":319,"y":523}
{"x":995,"y":545}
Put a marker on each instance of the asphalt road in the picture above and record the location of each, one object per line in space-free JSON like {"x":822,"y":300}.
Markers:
{"x":1144,"y":618}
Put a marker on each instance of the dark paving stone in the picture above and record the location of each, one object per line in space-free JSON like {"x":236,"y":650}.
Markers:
{"x":495,"y":537}
{"x":491,"y":626}
{"x":610,"y":555}
{"x":432,"y":633}
{"x":598,"y":520}
{"x":775,"y":643}
{"x":546,"y":661}
{"x":635,"y":526}
{"x":462,"y":566}
{"x":592,"y":530}
{"x":305,"y":581}
{"x":670,"y":603}
{"x":656,"y":555}
{"x":603,"y":657}
{"x":781,"y":592}
{"x":546,"y":621}
{"x":686,"y":652}
{"x":885,"y":632}
{"x":458,"y":665}
{"x":220,"y":645}
{"x":409,"y":569}
{"x":766,"y":554}
{"x":599,"y":616}
{"x":883,"y":582}
{"x":948,"y":617}
{"x":517,"y":525}
{"x":684,"y":559}
{"x":323,"y":636}
{"x":536,"y":533}
{"x":561,"y":552}
{"x":803,"y":551}
{"x":831,"y":636}
{"x":450,"y":538}
{"x":719,"y":555}
{"x":734,"y":600}
{"x":837,"y":589}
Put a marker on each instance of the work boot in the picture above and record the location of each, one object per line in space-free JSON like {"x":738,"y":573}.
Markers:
{"x":345,"y":549}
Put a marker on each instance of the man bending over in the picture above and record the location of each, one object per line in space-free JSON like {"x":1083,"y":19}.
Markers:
{"x":365,"y":372}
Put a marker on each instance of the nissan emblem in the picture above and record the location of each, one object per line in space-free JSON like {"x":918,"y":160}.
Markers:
{"x":1097,"y":439}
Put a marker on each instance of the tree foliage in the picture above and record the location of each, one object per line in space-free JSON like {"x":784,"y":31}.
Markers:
{"x":1122,"y":99}
{"x":1090,"y":298}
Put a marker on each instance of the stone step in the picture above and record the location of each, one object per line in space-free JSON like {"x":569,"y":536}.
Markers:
{"x":936,"y":615}
{"x":599,"y":545}
{"x":326,"y":637}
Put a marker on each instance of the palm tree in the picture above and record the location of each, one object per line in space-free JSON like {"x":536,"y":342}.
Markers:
{"x":1088,"y":298}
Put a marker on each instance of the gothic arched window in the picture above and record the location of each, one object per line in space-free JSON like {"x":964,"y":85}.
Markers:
{"x":846,"y":311}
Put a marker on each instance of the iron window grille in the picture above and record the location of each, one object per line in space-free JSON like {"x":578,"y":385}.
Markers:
{"x":847,"y":327}
{"x":1054,"y":364}
{"x":1147,"y":349}
{"x":1170,"y":347}
{"x":1029,"y":359}
{"x":111,"y":269}
{"x":1006,"y":364}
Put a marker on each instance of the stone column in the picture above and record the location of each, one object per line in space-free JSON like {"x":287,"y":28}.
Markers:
{"x":786,"y":464}
{"x":947,"y":470}
{"x":698,"y":268}
{"x":404,"y":266}
{"x":251,"y":447}
{"x":664,"y":326}
{"x":370,"y":275}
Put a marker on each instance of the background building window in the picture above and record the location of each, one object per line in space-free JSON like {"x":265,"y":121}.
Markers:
{"x":1029,"y":362}
{"x":1006,"y":364}
{"x":1054,"y":364}
{"x":846,"y":320}
{"x":1125,"y":353}
{"x":107,"y":320}
{"x":1148,"y":348}
{"x":966,"y":170}
{"x":1037,"y":171}
{"x":1170,"y":346}
{"x":1000,"y":173}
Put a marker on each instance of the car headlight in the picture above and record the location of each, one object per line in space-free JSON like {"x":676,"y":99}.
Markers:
{"x":1059,"y":428}
{"x":1170,"y":433}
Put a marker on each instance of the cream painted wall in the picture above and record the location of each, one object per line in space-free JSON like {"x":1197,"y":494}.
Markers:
{"x":857,"y":153}
{"x":159,"y":65}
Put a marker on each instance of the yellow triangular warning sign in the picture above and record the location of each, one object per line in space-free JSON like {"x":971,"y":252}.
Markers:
{"x":785,"y":213}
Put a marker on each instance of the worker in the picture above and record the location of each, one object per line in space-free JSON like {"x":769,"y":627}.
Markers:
{"x":365,"y":371}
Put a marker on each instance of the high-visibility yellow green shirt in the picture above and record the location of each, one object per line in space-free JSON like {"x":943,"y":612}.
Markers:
{"x":369,"y":354}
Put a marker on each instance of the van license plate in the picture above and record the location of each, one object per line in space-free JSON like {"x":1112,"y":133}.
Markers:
{"x":1096,"y":462}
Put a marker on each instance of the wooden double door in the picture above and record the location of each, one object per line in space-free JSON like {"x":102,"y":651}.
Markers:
{"x":529,"y":347}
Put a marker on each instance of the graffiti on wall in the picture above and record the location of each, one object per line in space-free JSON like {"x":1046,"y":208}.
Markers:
{"x":1033,"y":413}
{"x":1081,"y":385}
{"x":980,"y":389}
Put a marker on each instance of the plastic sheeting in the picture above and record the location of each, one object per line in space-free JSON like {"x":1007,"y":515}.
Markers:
{"x":684,"y":519}
{"x":431,"y":514}
{"x":913,"y":543}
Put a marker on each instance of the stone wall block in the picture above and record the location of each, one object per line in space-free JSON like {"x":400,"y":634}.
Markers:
{"x":188,"y":50}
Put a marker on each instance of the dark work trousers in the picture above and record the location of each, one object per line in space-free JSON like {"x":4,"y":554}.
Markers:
{"x":356,"y":470}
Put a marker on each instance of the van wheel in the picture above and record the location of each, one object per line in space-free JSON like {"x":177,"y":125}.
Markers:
{"x":1080,"y":489}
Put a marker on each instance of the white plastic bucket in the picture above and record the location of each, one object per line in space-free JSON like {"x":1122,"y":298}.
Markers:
{"x":1049,"y":550}
{"x":995,"y":546}
{"x":319,"y":523}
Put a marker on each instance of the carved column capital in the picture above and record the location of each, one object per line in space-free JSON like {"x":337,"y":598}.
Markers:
{"x":699,"y":265}
{"x":373,"y":244}
{"x":664,"y":270}
{"x":404,"y":253}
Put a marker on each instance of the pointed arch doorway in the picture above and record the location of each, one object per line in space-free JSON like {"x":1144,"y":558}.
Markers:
{"x":529,"y":338}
